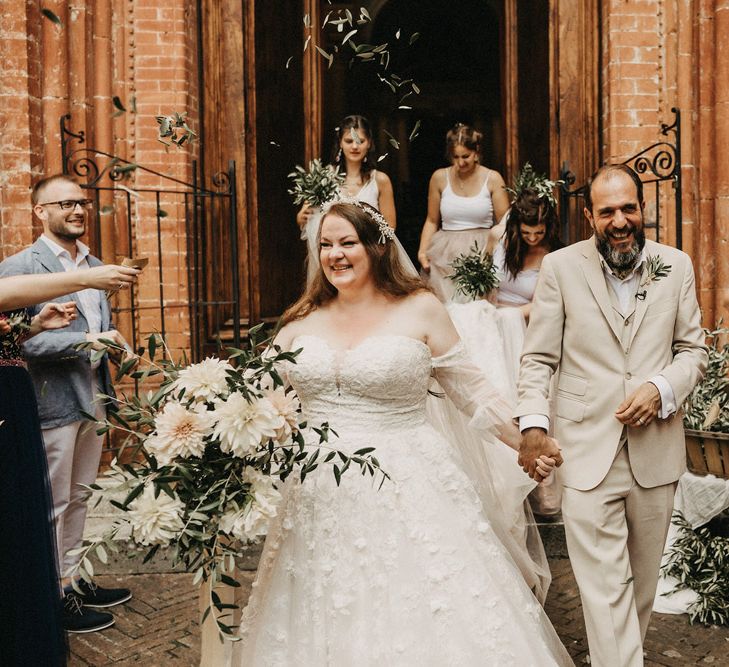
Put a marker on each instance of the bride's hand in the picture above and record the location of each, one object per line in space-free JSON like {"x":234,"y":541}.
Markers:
{"x":544,"y":468}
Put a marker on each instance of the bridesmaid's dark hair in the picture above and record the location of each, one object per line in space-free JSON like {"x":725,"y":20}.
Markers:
{"x":390,"y":276}
{"x":529,"y":209}
{"x":463,"y":135}
{"x":360,"y":124}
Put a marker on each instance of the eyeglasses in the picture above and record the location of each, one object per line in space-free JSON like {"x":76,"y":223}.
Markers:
{"x":68,"y":204}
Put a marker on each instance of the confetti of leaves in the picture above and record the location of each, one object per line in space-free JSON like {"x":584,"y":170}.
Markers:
{"x":174,"y":130}
{"x":53,"y":18}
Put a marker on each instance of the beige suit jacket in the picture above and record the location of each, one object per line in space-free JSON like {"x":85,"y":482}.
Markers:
{"x":573,"y":332}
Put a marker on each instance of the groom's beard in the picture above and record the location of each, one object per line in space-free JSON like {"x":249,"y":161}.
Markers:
{"x":622,"y":263}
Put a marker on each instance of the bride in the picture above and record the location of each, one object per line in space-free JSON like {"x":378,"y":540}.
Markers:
{"x":412,"y":572}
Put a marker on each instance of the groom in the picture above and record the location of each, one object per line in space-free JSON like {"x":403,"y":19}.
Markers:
{"x":616,"y":318}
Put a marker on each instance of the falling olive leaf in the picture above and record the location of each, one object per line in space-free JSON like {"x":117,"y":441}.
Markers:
{"x":413,"y":38}
{"x":133,"y":104}
{"x":52,"y":17}
{"x":306,"y":43}
{"x":161,"y":213}
{"x":364,"y":13}
{"x":288,"y":62}
{"x":348,"y":36}
{"x":397,"y":34}
{"x":106,"y":210}
{"x":382,"y":157}
{"x":416,"y":89}
{"x":414,"y":132}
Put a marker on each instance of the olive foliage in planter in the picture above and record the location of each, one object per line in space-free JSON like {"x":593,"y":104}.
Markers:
{"x":699,"y":558}
{"x":706,"y":417}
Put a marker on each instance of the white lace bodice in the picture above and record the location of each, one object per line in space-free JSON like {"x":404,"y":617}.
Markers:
{"x":382,"y":382}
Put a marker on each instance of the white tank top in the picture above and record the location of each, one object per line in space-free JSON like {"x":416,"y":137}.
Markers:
{"x":369,"y":193}
{"x":458,"y":212}
{"x":513,"y":291}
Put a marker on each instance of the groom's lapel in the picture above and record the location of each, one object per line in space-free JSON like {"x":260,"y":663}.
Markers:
{"x":641,"y":305}
{"x":596,"y":282}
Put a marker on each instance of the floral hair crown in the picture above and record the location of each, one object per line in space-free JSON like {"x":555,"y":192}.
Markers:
{"x":528,"y":179}
{"x":386,"y":232}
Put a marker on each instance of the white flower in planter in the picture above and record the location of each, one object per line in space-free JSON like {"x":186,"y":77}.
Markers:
{"x":241,"y":426}
{"x":204,"y":381}
{"x":178,"y":432}
{"x":155,"y":520}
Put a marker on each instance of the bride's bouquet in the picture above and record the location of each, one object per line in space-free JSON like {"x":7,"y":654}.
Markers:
{"x":474,"y":273}
{"x":316,"y":186}
{"x":213,"y":443}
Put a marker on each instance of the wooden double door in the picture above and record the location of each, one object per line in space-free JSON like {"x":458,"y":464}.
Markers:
{"x":524,"y":72}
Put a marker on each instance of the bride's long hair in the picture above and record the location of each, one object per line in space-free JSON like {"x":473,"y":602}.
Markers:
{"x":389,"y":274}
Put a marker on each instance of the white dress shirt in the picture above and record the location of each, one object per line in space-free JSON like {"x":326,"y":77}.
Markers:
{"x":89,"y":299}
{"x":624,"y":289}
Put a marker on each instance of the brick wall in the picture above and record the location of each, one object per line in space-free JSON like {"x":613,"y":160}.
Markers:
{"x":658,"y":54}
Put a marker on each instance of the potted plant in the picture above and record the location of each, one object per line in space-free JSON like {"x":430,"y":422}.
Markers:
{"x":706,"y":418}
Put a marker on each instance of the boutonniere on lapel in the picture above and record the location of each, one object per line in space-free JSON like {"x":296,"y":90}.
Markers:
{"x":655,"y":269}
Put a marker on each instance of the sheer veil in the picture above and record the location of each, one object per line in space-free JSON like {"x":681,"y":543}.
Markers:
{"x":491,"y":465}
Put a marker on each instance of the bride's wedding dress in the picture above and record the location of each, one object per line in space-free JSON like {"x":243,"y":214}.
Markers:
{"x":408,"y":573}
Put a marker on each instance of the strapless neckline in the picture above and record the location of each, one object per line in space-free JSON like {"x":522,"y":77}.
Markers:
{"x":362,"y":343}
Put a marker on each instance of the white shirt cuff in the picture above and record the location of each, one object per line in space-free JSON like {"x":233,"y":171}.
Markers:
{"x":668,"y":398}
{"x":534,"y":421}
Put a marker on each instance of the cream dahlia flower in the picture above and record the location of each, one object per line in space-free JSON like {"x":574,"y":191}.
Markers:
{"x":155,"y":520}
{"x":265,"y":494}
{"x":178,"y":432}
{"x":287,"y":406}
{"x":242,"y":426}
{"x":204,"y":381}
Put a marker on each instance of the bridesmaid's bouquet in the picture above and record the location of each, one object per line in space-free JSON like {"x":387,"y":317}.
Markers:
{"x":474,"y":273}
{"x":212,"y":444}
{"x":316,"y":186}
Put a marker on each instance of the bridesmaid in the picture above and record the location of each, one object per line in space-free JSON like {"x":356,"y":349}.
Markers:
{"x":353,"y":155}
{"x":464,"y":202}
{"x":519,"y":245}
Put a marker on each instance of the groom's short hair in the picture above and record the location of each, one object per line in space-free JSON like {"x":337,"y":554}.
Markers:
{"x":606,"y":171}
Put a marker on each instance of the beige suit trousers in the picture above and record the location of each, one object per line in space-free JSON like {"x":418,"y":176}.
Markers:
{"x":615,"y":536}
{"x":73,"y":452}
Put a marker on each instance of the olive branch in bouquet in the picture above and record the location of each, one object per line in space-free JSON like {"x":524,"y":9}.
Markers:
{"x":474,"y":273}
{"x":215,"y":442}
{"x":315,"y":186}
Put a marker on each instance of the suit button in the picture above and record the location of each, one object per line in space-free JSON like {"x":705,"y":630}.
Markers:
{"x":628,"y":376}
{"x":626,"y":322}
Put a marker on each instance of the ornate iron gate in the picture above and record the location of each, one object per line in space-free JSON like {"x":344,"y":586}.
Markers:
{"x":210,"y":244}
{"x":658,"y":164}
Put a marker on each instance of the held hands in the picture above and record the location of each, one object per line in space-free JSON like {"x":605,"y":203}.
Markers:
{"x":641,"y":407}
{"x":424,"y":261}
{"x":537,"y":446}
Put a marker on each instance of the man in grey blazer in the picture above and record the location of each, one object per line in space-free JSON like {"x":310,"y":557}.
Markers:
{"x":616,"y":318}
{"x":67,"y":384}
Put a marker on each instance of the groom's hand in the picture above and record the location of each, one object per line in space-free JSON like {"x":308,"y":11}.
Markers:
{"x":534,"y":443}
{"x":641,"y":407}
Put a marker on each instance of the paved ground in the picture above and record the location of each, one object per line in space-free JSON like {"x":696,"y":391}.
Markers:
{"x":159,"y":627}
